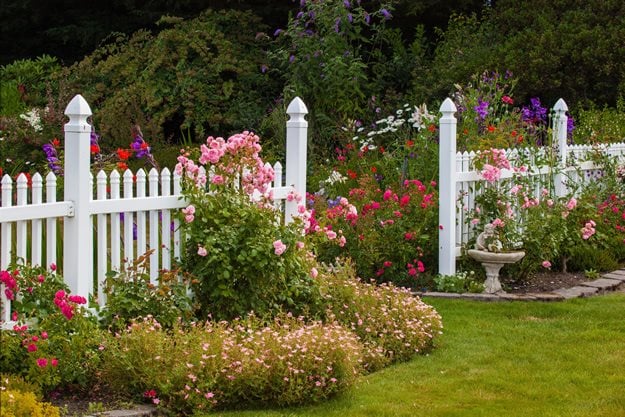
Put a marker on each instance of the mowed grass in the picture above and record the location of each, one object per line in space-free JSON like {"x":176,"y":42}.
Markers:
{"x":499,"y":359}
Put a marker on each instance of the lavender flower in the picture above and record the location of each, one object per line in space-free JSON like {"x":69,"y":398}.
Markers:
{"x":347,"y":4}
{"x":387,"y":15}
{"x":337,"y":24}
{"x":52,"y":158}
{"x":535,"y":113}
{"x":367,"y":18}
{"x":277,"y":32}
{"x":481,"y":109}
{"x":350,"y":18}
{"x":138,"y":145}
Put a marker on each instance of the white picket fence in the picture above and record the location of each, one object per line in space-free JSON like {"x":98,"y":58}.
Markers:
{"x":128,"y":215}
{"x":459,"y":180}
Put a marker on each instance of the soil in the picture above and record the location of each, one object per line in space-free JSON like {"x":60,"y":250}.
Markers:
{"x":546,"y":281}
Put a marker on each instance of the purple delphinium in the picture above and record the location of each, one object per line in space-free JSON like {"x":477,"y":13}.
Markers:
{"x":52,"y":158}
{"x":535,"y":113}
{"x":570,"y":127}
{"x":347,"y":4}
{"x":138,"y":145}
{"x":387,"y":15}
{"x":481,"y":109}
{"x":337,"y":25}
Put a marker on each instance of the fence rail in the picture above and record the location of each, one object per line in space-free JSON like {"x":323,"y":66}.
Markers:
{"x":105,"y":224}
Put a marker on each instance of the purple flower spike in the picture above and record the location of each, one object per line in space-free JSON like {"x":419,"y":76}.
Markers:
{"x":387,"y":15}
{"x":481,"y":109}
{"x":350,"y":18}
{"x":367,"y":18}
{"x":337,"y":25}
{"x":277,"y":32}
{"x":347,"y":4}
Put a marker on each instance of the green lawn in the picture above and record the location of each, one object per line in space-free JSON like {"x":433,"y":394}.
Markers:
{"x":500,"y":359}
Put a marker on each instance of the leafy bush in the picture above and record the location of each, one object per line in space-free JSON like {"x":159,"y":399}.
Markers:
{"x":242,"y":258}
{"x":131,"y":295}
{"x":247,"y":362}
{"x":198,"y":76}
{"x":460,"y":283}
{"x":14,"y":382}
{"x":25,"y":404}
{"x":392,"y":324}
{"x":25,"y":83}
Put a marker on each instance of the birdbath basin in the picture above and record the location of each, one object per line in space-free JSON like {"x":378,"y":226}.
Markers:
{"x":492,"y":263}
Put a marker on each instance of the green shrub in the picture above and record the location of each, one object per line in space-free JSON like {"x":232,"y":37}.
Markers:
{"x":586,"y":257}
{"x":131,"y":295}
{"x":460,"y":283}
{"x":217,"y":365}
{"x":202,"y":76}
{"x":392,"y":324}
{"x":14,"y":382}
{"x":241,"y":256}
{"x":25,"y":404}
{"x":600,"y":125}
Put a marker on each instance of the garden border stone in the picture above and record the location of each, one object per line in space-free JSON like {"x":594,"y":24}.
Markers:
{"x":608,"y":282}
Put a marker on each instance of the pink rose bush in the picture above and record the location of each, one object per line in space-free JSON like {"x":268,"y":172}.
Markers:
{"x":239,"y":251}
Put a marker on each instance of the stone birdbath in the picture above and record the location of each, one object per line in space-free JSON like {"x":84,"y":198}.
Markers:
{"x":488,"y":252}
{"x":492,"y":263}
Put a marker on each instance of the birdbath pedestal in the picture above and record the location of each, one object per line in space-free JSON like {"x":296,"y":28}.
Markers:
{"x":492,"y":263}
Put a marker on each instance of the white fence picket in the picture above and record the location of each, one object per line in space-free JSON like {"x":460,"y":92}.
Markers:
{"x":35,"y":231}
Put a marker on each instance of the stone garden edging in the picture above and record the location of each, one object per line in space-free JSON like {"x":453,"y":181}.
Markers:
{"x":608,"y":282}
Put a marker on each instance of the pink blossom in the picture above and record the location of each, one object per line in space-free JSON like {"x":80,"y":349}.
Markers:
{"x":201,"y":250}
{"x":387,"y":195}
{"x":209,"y":395}
{"x":31,"y":347}
{"x":571,"y":204}
{"x":498,"y":223}
{"x":420,"y":266}
{"x":314,"y":273}
{"x":78,"y":299}
{"x":490,"y":173}
{"x":279,"y":247}
{"x":546,"y":264}
{"x":475,"y":221}
{"x":412,"y":271}
{"x":54,"y":362}
{"x":189,"y":218}
{"x":44,"y":335}
{"x":342,"y":241}
{"x":549,"y":203}
{"x":53,"y":267}
{"x":408,"y":236}
{"x":331,"y":234}
{"x":217,"y":179}
{"x":42,"y":362}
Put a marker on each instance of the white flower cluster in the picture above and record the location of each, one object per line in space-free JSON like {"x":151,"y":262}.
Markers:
{"x":34,"y":119}
{"x":418,"y":118}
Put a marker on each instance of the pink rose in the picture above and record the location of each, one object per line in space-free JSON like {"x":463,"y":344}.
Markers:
{"x":546,"y":264}
{"x":201,"y":251}
{"x":279,"y":247}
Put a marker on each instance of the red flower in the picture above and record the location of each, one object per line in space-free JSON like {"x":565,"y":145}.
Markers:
{"x":491,"y":128}
{"x":95,"y":149}
{"x":351,"y":174}
{"x":409,"y":143}
{"x":122,"y":166}
{"x":432,"y":128}
{"x":374,"y":169}
{"x":55,"y":142}
{"x":507,"y":100}
{"x":123,"y":154}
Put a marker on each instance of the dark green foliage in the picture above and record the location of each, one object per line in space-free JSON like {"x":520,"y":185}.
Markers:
{"x":200,"y":76}
{"x":587,"y":257}
{"x":130,"y":295}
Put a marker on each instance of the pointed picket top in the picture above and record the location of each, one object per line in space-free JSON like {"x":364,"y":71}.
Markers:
{"x":448,"y":107}
{"x":6,"y":181}
{"x":22,"y":181}
{"x":50,"y":177}
{"x":37,"y":180}
{"x":78,"y":111}
{"x":297,"y":106}
{"x":141,"y":175}
{"x":114,"y":175}
{"x":101,"y":177}
{"x":560,"y":107}
{"x":153,"y":175}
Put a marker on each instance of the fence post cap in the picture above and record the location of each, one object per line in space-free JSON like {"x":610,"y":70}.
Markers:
{"x":297,"y":106}
{"x":448,"y":106}
{"x":77,"y":107}
{"x":560,"y":106}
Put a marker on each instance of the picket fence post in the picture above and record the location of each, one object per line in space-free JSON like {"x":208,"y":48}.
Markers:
{"x":77,"y":234}
{"x":559,"y":136}
{"x":296,"y":154}
{"x":447,"y":190}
